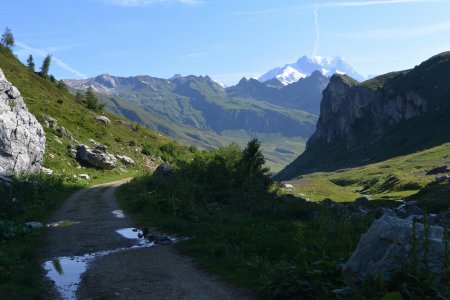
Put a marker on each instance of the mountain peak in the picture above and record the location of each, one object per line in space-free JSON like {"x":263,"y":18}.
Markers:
{"x":305,"y":66}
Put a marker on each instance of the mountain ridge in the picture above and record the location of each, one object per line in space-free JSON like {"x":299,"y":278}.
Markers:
{"x":380,"y":118}
{"x":305,"y":66}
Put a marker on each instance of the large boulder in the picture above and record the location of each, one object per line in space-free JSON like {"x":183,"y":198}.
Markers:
{"x":164,"y":169}
{"x":22,"y":138}
{"x":103,"y":119}
{"x":390,"y":245}
{"x":125,"y":159}
{"x":98,"y":157}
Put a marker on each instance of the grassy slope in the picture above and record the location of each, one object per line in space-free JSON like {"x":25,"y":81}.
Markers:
{"x":393,"y":179}
{"x":37,"y":197}
{"x":41,"y":97}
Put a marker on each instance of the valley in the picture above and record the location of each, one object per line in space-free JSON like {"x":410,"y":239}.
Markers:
{"x":312,"y":180}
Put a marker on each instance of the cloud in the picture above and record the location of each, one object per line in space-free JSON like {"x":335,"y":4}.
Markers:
{"x":397,"y":33}
{"x":44,"y":52}
{"x":138,"y":3}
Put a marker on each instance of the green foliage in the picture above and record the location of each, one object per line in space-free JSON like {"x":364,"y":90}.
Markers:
{"x":30,"y":63}
{"x":26,"y":199}
{"x":8,"y":38}
{"x":46,"y":66}
{"x":92,"y":101}
{"x":241,"y":227}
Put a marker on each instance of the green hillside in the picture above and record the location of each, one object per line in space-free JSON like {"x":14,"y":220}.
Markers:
{"x":403,"y":177}
{"x":47,"y":101}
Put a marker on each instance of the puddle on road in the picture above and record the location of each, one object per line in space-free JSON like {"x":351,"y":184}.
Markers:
{"x":66,"y":271}
{"x":130,"y":233}
{"x":118,"y":213}
{"x":63,"y":223}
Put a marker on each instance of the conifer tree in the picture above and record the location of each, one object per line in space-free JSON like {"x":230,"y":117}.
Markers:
{"x":46,"y":65}
{"x":30,"y":62}
{"x":8,"y":38}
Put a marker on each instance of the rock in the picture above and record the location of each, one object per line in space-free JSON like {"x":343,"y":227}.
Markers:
{"x":164,"y":169}
{"x":409,"y":209}
{"x":362,"y":201}
{"x":22,"y":138}
{"x":99,"y":148}
{"x":387,"y":245}
{"x":96,"y":158}
{"x":441,"y":178}
{"x":438,"y":170}
{"x":46,"y":171}
{"x":84,"y":176}
{"x":123,"y":123}
{"x":125,"y":159}
{"x":34,"y":225}
{"x":382,"y":211}
{"x":72,"y":151}
{"x":103,"y":119}
{"x":5,"y":180}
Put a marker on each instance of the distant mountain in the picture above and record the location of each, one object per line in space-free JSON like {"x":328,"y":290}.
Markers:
{"x":390,"y":115}
{"x":304,"y":94}
{"x":305,"y":66}
{"x":197,"y":110}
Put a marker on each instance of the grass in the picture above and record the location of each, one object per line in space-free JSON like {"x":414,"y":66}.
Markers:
{"x":27,"y":199}
{"x":394,"y":179}
{"x":44,"y":99}
{"x":267,"y":250}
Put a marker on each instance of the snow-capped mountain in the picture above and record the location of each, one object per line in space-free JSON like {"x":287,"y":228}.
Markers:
{"x":306,"y":65}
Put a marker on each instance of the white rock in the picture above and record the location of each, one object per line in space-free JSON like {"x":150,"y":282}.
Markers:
{"x":34,"y":225}
{"x":103,"y":119}
{"x":125,"y":159}
{"x":84,"y":176}
{"x":22,"y":138}
{"x":46,"y":171}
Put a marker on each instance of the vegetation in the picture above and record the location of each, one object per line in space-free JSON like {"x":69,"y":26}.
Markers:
{"x":46,"y":100}
{"x":394,"y":179}
{"x":8,"y":38}
{"x":30,"y":63}
{"x":242,"y":227}
{"x":46,"y":66}
{"x":92,"y":101}
{"x":25,"y":199}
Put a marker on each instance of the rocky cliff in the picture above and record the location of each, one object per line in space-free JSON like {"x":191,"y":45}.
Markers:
{"x":390,"y":115}
{"x":22,"y":138}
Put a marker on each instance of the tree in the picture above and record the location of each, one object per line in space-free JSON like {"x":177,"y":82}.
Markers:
{"x":30,"y":62}
{"x":79,"y":97}
{"x":46,"y":65}
{"x":91,"y":100}
{"x":252,"y":164}
{"x":61,"y":85}
{"x":8,"y":38}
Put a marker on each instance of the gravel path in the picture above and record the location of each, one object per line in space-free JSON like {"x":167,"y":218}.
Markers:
{"x":140,"y":273}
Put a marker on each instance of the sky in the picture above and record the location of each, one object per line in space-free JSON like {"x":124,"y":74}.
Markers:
{"x":225,"y":39}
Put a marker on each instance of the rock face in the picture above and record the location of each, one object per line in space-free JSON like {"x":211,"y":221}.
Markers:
{"x":22,"y":138}
{"x":390,"y":115}
{"x":98,"y":157}
{"x":389,"y":243}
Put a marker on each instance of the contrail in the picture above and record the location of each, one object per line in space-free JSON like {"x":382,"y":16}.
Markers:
{"x":354,"y":4}
{"x":43,"y":53}
{"x":316,"y":26}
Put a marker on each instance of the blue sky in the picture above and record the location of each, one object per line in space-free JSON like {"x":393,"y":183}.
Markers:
{"x":226,"y":39}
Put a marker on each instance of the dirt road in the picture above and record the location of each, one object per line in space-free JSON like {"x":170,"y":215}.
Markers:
{"x":115,"y":269}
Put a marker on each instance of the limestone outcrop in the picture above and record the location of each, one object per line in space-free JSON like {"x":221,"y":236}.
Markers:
{"x":22,"y":138}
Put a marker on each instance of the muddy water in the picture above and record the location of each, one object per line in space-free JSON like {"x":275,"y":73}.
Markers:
{"x":66,"y":271}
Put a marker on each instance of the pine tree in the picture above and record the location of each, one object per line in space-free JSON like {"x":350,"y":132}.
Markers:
{"x":30,"y":62}
{"x":8,"y":38}
{"x":91,"y":100}
{"x":46,"y":65}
